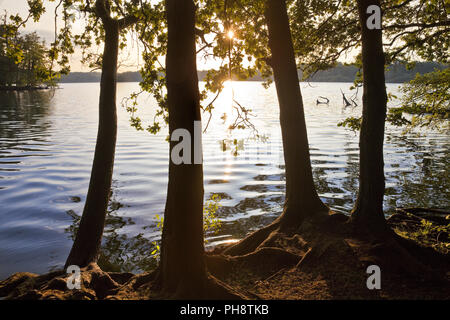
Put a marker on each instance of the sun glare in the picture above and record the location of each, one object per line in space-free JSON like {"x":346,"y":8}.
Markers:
{"x":230,"y":34}
{"x":228,"y":85}
{"x":224,"y":105}
{"x":227,"y":93}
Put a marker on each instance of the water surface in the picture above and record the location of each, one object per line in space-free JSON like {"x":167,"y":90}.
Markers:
{"x":47,"y":140}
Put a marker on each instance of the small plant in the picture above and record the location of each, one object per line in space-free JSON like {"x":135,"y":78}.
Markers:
{"x":210,"y":221}
{"x":156,"y":248}
{"x":430,"y":234}
{"x":160,"y":222}
{"x":156,"y":251}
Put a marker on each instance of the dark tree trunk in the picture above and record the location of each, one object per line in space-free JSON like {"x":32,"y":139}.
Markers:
{"x":88,"y":239}
{"x":302,"y":199}
{"x":182,"y":267}
{"x":368,"y":214}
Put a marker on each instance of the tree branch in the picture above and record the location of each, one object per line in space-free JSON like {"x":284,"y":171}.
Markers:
{"x":420,"y":25}
{"x":127,"y":21}
{"x":102,"y":10}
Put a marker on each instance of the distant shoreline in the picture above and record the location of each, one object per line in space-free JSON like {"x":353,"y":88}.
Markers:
{"x":234,"y":80}
{"x":24,"y":88}
{"x":396,"y":73}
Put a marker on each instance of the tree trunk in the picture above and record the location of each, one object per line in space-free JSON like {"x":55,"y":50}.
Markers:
{"x":302,"y":199}
{"x":88,"y":239}
{"x":182,"y":267}
{"x":368,"y":211}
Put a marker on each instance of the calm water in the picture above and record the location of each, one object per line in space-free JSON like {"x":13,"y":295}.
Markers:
{"x":46,"y":147}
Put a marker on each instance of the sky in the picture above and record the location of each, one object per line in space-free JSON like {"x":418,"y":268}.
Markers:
{"x":128,"y":61}
{"x":44,"y":28}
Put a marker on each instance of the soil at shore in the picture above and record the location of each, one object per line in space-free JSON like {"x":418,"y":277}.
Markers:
{"x":306,"y":264}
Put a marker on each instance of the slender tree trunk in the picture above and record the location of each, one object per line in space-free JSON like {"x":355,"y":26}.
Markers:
{"x":368,"y":211}
{"x":302,"y":199}
{"x":182,"y":267}
{"x":88,"y":239}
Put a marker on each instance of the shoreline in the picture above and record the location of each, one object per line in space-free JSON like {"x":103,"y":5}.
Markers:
{"x":283,"y":273}
{"x":25,"y":88}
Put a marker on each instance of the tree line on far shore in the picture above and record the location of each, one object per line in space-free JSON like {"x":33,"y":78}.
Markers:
{"x":396,"y":73}
{"x":26,"y":60}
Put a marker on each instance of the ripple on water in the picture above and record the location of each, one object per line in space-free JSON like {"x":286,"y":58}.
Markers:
{"x":47,"y":141}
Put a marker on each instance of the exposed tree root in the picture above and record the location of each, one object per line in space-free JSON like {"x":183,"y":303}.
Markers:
{"x":252,"y":242}
{"x":95,"y":284}
{"x":264,"y":261}
{"x":321,"y":259}
{"x":208,"y":288}
{"x":218,"y":290}
{"x":268,"y":235}
{"x":333,"y":258}
{"x":436,"y":215}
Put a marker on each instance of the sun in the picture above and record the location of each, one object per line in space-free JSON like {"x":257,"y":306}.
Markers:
{"x":230,"y":34}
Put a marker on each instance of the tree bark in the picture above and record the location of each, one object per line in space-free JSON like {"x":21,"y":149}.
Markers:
{"x":368,"y":210}
{"x":88,"y":239}
{"x":302,"y":199}
{"x":182,"y":267}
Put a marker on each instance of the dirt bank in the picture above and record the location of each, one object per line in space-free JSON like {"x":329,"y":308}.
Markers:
{"x":324,"y":261}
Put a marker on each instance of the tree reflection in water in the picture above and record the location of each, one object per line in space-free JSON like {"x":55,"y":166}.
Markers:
{"x":120,"y":252}
{"x":409,"y":182}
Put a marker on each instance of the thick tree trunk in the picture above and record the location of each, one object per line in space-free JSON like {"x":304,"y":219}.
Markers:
{"x":88,"y":239}
{"x":182,"y":267}
{"x":368,"y":211}
{"x":302,"y":199}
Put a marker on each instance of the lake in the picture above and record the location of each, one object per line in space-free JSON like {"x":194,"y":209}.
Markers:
{"x":47,"y":140}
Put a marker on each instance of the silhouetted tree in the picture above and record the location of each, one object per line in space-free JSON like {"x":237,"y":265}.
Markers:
{"x":182,"y":266}
{"x":182,"y":270}
{"x":302,"y":199}
{"x":368,"y":211}
{"x":88,"y":239}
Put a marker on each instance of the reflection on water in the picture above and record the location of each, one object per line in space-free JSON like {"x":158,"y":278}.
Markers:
{"x":120,"y":252}
{"x":47,"y":140}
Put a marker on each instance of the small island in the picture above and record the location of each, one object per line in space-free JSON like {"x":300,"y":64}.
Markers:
{"x":26,"y":62}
